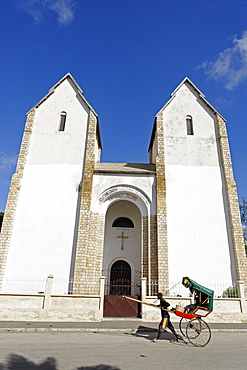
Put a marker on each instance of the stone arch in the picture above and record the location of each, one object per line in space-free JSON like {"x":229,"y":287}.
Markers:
{"x":118,"y":192}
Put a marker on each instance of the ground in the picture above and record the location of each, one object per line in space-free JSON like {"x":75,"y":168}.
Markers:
{"x":118,"y":351}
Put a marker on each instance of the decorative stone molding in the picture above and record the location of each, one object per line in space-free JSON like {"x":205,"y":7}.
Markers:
{"x":232,"y":202}
{"x":144,"y":256}
{"x":124,"y":191}
{"x":14,"y":191}
{"x":149,"y":251}
{"x":162,"y":243}
{"x":154,"y":248}
{"x":86,"y":253}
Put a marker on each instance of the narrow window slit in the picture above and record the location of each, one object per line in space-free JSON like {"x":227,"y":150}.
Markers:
{"x":189,"y":125}
{"x":63,"y":116}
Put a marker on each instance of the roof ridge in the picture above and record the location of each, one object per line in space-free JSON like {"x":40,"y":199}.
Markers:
{"x":201,"y":95}
{"x":53,"y":88}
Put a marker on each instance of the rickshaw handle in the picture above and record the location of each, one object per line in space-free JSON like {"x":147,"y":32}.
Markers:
{"x":148,"y":304}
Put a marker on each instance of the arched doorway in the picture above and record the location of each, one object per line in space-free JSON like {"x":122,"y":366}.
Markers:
{"x":120,"y":280}
{"x":121,"y":283}
{"x":122,"y":239}
{"x":122,"y":258}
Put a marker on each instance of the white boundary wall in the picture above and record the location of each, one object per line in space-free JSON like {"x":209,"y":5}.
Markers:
{"x":77,"y":308}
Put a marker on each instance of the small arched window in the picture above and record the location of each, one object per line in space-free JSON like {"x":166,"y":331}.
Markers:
{"x":123,"y":222}
{"x":189,"y":125}
{"x":63,"y":116}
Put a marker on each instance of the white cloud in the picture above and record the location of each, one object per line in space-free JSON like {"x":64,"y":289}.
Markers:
{"x":38,"y":9}
{"x":34,"y":8}
{"x":7,"y":164}
{"x":64,"y":10}
{"x":231,"y":65}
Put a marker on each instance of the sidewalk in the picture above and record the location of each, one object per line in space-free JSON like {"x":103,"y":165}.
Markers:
{"x":107,"y":325}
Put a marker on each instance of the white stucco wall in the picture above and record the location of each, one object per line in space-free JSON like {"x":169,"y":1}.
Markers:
{"x":198,"y":241}
{"x":44,"y":224}
{"x":43,"y":230}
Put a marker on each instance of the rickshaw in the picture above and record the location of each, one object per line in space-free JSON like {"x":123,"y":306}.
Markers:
{"x":191,"y":325}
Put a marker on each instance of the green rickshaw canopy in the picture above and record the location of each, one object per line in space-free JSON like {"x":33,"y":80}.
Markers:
{"x":189,"y":283}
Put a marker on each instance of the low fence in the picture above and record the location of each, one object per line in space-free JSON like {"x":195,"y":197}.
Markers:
{"x":31,"y":285}
{"x":221,"y":290}
{"x":176,"y":289}
{"x":65,"y":287}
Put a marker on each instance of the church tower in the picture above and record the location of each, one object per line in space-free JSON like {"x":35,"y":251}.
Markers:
{"x":198,"y":225}
{"x":41,"y":219}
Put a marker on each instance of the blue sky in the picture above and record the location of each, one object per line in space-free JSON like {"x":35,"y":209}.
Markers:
{"x":127,"y":56}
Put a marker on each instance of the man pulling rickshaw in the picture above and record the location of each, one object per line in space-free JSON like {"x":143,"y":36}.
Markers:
{"x":191,"y":325}
{"x":165,"y":319}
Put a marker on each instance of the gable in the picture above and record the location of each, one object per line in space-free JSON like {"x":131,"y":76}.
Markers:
{"x":185,"y":100}
{"x":68,"y":77}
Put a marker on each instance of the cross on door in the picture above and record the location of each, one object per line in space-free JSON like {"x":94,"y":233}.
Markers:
{"x":122,"y":237}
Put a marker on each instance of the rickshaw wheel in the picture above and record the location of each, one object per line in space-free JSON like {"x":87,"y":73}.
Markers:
{"x":198,"y":332}
{"x":182,"y":325}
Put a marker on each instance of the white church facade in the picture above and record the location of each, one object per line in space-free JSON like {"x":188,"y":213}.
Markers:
{"x":70,"y":215}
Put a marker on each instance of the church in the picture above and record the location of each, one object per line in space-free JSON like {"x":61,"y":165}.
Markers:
{"x":70,"y":215}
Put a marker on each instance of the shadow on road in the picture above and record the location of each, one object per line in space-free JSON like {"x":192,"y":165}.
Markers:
{"x":17,"y":362}
{"x":148,"y":333}
{"x":151,"y":333}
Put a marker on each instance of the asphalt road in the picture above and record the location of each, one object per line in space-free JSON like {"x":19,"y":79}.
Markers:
{"x":119,"y":351}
